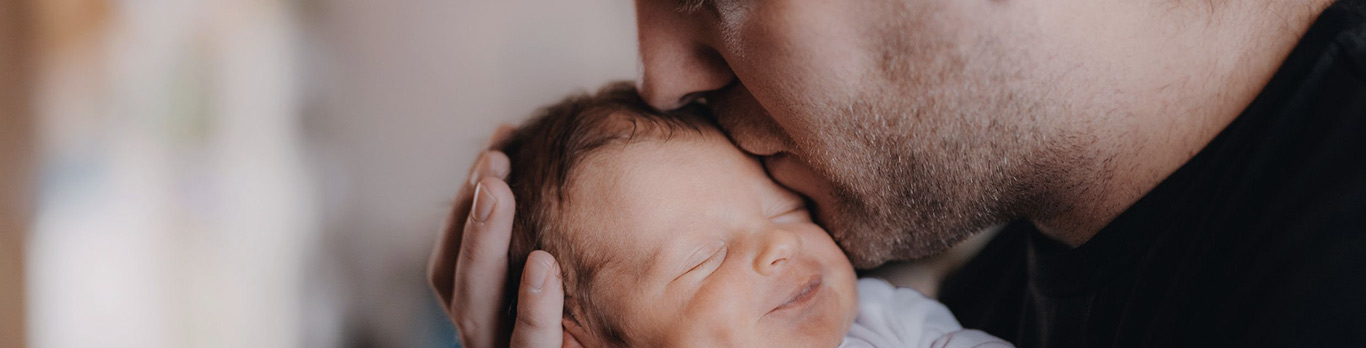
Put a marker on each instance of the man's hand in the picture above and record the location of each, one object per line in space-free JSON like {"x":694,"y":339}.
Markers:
{"x":469,"y":266}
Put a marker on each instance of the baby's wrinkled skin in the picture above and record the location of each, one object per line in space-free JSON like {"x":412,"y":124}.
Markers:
{"x":713,"y":253}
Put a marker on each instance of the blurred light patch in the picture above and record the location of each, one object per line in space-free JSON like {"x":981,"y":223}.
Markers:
{"x":175,"y":208}
{"x":270,"y":173}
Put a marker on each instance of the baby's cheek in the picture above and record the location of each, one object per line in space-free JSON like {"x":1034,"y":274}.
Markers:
{"x":709,"y":329}
{"x":720,"y":315}
{"x":729,"y":301}
{"x":841,"y":279}
{"x":817,"y":242}
{"x":642,"y":315}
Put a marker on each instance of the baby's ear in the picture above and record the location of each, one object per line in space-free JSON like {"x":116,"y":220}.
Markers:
{"x":572,"y":332}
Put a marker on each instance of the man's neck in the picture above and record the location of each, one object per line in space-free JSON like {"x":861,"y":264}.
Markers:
{"x":1179,"y":74}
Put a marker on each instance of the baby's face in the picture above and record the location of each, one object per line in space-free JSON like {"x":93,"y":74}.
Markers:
{"x":707,"y":250}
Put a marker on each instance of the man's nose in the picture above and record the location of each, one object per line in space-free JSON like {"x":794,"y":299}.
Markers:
{"x":777,"y":248}
{"x":678,"y":64}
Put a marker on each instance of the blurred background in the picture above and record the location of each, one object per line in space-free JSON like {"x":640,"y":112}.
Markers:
{"x":268,"y":173}
{"x":259,"y":173}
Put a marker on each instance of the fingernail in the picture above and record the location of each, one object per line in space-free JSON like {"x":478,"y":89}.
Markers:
{"x":478,"y":169}
{"x":537,"y":275}
{"x":499,"y":164}
{"x":483,"y":204}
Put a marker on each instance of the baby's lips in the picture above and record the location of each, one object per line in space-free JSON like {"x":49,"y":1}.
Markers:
{"x":799,"y":293}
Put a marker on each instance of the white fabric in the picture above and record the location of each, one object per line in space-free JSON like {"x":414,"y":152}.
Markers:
{"x":901,"y":317}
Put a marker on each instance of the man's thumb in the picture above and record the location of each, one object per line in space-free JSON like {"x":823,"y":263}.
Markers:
{"x":540,"y":304}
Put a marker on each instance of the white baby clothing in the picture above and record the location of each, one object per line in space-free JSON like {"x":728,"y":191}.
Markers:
{"x":901,"y":317}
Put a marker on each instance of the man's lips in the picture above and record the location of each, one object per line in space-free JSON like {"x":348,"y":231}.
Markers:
{"x":802,"y":294}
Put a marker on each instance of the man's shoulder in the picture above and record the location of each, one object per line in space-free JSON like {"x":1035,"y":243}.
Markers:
{"x":1300,"y":153}
{"x":1345,"y":26}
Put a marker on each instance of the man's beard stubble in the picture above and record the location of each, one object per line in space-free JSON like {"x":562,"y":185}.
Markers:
{"x":930,"y":152}
{"x":913,"y":185}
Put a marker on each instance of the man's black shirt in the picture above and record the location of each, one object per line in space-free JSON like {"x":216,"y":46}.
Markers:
{"x":1258,"y":240}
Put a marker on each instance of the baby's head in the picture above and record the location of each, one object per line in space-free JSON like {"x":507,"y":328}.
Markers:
{"x":667,"y":234}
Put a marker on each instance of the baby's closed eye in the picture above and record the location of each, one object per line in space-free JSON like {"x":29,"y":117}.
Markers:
{"x":706,"y":262}
{"x":793,"y":215}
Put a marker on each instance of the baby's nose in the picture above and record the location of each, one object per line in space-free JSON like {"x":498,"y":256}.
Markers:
{"x":778,"y":246}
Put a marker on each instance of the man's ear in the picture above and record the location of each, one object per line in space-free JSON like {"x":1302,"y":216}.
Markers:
{"x":574,"y":334}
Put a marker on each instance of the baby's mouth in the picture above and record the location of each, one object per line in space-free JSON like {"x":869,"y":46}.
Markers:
{"x":802,"y":294}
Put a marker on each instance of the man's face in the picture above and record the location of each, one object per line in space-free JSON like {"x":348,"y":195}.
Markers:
{"x":910,"y":124}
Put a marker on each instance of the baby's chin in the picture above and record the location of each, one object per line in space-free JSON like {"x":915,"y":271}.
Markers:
{"x":828,"y":326}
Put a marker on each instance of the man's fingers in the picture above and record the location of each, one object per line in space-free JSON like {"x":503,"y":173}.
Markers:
{"x":441,"y":267}
{"x":468,"y":265}
{"x":502,"y":133}
{"x":540,"y":304}
{"x":492,"y":163}
{"x":477,"y":299}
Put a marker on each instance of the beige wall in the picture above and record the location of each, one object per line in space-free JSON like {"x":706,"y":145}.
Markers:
{"x":175,"y":203}
{"x":16,"y":134}
{"x":271,"y":173}
{"x":407,"y":92}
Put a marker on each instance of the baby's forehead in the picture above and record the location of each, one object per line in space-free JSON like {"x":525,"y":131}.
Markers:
{"x":631,"y":183}
{"x":636,"y":149}
{"x":650,"y":184}
{"x":622,"y":180}
{"x":654,"y":163}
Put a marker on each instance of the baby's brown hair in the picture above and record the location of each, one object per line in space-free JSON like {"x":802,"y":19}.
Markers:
{"x":544,"y":153}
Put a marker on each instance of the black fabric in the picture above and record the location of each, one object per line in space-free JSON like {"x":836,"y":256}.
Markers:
{"x":1259,"y":240}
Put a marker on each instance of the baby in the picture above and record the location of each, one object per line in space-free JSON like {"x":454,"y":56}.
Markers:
{"x":670,"y":236}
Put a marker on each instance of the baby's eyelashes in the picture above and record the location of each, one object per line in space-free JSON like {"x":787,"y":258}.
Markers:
{"x":787,"y":207}
{"x":798,"y":214}
{"x":705,"y":266}
{"x":706,"y":261}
